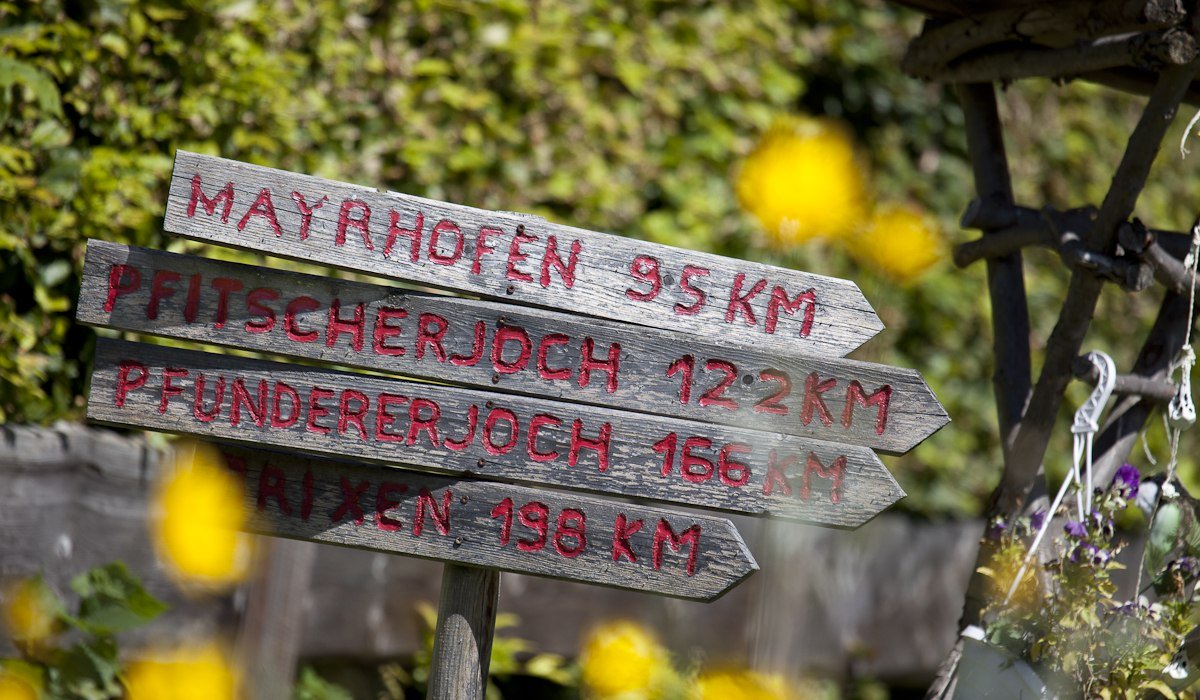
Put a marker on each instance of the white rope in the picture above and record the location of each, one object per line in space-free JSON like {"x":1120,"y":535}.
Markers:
{"x":1183,"y":151}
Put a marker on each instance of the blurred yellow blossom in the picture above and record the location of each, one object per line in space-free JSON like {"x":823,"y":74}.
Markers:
{"x":30,"y":611}
{"x":803,"y":180}
{"x":899,"y":241}
{"x":624,"y":660}
{"x":740,"y":684}
{"x":20,"y":681}
{"x":199,"y":514}
{"x":198,"y":673}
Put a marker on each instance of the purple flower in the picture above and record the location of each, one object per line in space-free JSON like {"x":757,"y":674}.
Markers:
{"x":1075,"y":529}
{"x":1126,"y":480}
{"x":996,"y":531}
{"x":1037,"y":520}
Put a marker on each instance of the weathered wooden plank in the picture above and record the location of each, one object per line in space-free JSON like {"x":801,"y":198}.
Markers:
{"x":466,"y":628}
{"x":524,"y":350}
{"x":500,"y":436}
{"x":492,"y":525}
{"x":514,"y":257}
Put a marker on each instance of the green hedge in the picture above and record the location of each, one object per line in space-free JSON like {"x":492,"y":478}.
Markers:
{"x":625,"y":116}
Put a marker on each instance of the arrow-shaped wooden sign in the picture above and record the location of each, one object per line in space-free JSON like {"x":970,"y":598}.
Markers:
{"x":511,"y":438}
{"x":513,"y":257}
{"x":490,"y":345}
{"x":512,"y":528}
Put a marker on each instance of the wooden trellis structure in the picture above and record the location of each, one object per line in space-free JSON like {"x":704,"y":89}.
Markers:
{"x":1147,"y":47}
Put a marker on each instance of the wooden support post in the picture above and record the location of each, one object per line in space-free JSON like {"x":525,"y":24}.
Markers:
{"x":462,"y":646}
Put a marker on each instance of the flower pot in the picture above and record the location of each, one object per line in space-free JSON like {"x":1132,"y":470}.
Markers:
{"x":988,"y":671}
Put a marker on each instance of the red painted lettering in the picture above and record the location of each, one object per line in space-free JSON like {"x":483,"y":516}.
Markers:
{"x":777,"y":475}
{"x":385,"y":330}
{"x":741,"y":304}
{"x":503,"y":335}
{"x":159,"y":290}
{"x":435,"y":255}
{"x":210,"y":205}
{"x":277,"y":418}
{"x":472,"y":424}
{"x":535,"y":516}
{"x":622,"y":531}
{"x":241,"y":397}
{"x":307,"y":492}
{"x":384,"y":419}
{"x":497,"y":414}
{"x":272,"y":483}
{"x":779,"y":300}
{"x":337,"y":325}
{"x":316,"y":410}
{"x":441,"y":520}
{"x":384,"y":501}
{"x":476,"y":348}
{"x":686,"y":368}
{"x":431,"y":328}
{"x":255,"y":306}
{"x":693,"y":467}
{"x":125,"y":384}
{"x":361,"y":223}
{"x":351,"y":498}
{"x":427,"y":424}
{"x":599,"y":444}
{"x":306,"y":212}
{"x":264,"y":207}
{"x":666,"y":448}
{"x":685,"y":283}
{"x":299,"y":305}
{"x":515,"y":256}
{"x":773,"y":403}
{"x":571,"y":525}
{"x":545,"y":371}
{"x":413,"y":234}
{"x":224,"y":286}
{"x":122,"y":279}
{"x":663,"y":534}
{"x":482,"y":247}
{"x":835,"y":472}
{"x":352,"y":415}
{"x":198,"y":409}
{"x":610,"y":364}
{"x":192,"y":303}
{"x":648,"y":271}
{"x":169,"y":388}
{"x":536,"y":424}
{"x":879,"y":399}
{"x":716,"y":395}
{"x":813,"y":388}
{"x":566,"y":271}
{"x":733,"y":473}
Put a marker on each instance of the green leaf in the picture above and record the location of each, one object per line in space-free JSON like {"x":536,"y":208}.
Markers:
{"x":40,"y":85}
{"x":1162,"y":688}
{"x":112,"y":600}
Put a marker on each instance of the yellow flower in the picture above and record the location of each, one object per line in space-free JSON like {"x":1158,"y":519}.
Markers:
{"x":623,"y":660}
{"x":30,"y":613}
{"x":199,"y":513}
{"x":804,"y":181}
{"x":899,"y":241}
{"x":199,"y":673}
{"x":740,"y":684}
{"x":20,"y":681}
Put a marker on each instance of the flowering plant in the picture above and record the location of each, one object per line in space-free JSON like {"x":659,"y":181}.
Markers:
{"x":1065,"y":617}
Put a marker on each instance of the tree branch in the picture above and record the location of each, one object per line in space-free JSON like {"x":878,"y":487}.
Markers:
{"x":1165,"y":47}
{"x":1150,"y":388}
{"x":1057,"y":24}
{"x":1084,"y":290}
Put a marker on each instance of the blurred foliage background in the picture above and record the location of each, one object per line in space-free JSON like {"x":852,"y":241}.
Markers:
{"x":627,"y":116}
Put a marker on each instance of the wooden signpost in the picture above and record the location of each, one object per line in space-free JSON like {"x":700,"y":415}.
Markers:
{"x":497,"y":346}
{"x":500,"y":436}
{"x":629,"y":368}
{"x":515,"y":258}
{"x":494,"y":525}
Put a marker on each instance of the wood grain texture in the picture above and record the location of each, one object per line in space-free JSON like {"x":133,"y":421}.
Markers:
{"x":509,"y":256}
{"x":466,"y":627}
{"x":491,"y":525}
{"x":467,"y":431}
{"x":539,"y":353}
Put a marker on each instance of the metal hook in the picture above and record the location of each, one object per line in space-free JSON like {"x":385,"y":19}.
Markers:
{"x":1087,"y":418}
